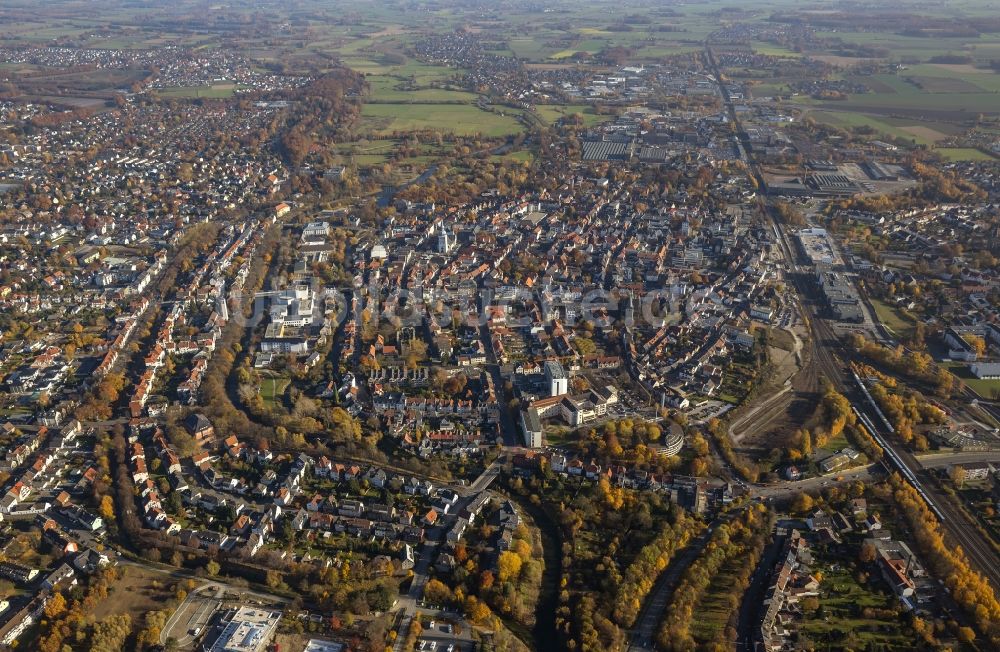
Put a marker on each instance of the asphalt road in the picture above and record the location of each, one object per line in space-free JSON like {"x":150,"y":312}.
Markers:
{"x":789,"y":489}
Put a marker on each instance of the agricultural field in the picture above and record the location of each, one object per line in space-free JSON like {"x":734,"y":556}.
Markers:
{"x":899,"y":97}
{"x":919,"y":132}
{"x":963,"y":154}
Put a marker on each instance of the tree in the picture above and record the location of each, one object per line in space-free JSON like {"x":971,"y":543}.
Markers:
{"x":508,"y":566}
{"x":477,"y":612}
{"x":803,"y":503}
{"x":56,"y":606}
{"x":436,"y":592}
{"x":109,"y":634}
{"x":108,"y":508}
{"x":957,"y":475}
{"x":212,"y":568}
{"x":867,"y":553}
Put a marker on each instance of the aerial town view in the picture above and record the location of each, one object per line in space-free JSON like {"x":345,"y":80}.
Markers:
{"x":499,"y":325}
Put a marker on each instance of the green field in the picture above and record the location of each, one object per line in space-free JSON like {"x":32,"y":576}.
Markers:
{"x":592,"y":46}
{"x":917,"y":131}
{"x":774,"y":50}
{"x":215,"y":91}
{"x":769,"y":89}
{"x":552,"y":112}
{"x":520,"y":156}
{"x":461,"y":119}
{"x":398,"y":89}
{"x":529,"y":48}
{"x":272,"y":389}
{"x":894,"y":319}
{"x":985,"y":388}
{"x":963,"y":154}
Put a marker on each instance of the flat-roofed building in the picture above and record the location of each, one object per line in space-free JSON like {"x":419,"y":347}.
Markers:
{"x":249,"y":629}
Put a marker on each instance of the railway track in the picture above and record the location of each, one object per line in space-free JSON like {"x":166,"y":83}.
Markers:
{"x":757,"y":420}
{"x":955,"y":523}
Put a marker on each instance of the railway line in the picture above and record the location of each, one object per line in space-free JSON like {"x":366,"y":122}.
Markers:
{"x":758,"y":419}
{"x":955,"y":522}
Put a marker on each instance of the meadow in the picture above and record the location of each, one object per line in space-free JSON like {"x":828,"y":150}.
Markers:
{"x":460,"y":119}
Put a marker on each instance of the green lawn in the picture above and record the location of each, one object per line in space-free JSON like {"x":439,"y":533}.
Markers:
{"x":894,"y":318}
{"x":272,"y":389}
{"x":462,"y":119}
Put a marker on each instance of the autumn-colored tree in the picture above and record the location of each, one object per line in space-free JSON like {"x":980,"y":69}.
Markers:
{"x":108,"y":508}
{"x":436,"y":592}
{"x":957,"y":474}
{"x":56,"y":606}
{"x":508,"y":566}
{"x":803,"y":503}
{"x":867,"y":553}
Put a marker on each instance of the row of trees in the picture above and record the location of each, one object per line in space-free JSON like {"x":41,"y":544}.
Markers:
{"x":611,"y":537}
{"x":653,"y":559}
{"x":740,"y":541}
{"x":969,"y":588}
